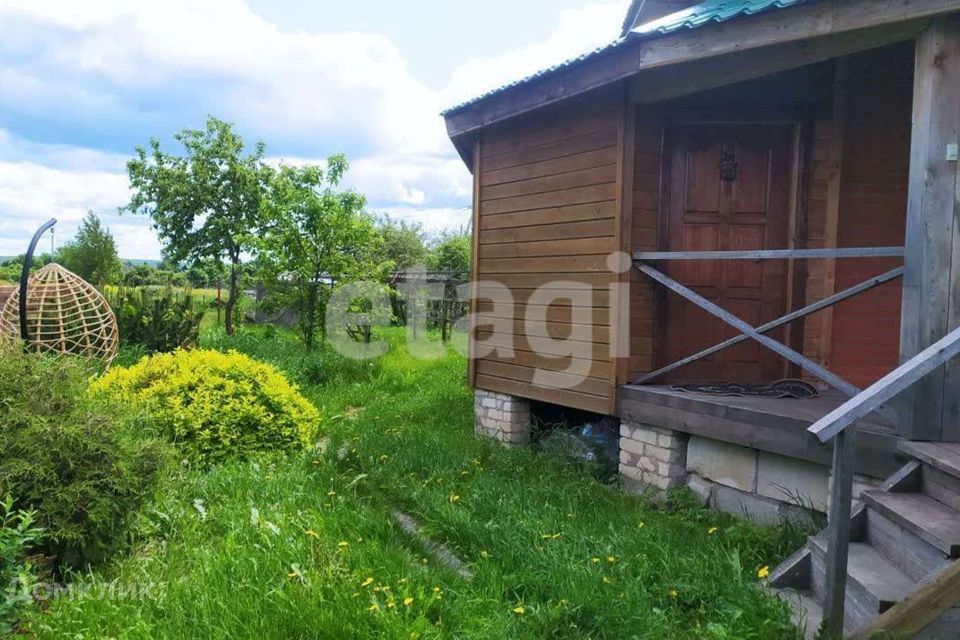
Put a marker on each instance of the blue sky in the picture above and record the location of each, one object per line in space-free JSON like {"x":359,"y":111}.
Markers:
{"x":82,"y":83}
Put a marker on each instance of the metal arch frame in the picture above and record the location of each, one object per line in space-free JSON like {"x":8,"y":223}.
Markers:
{"x":25,"y":277}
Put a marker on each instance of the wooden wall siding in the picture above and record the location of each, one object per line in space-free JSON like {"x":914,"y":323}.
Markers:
{"x":857,"y":197}
{"x":547,"y":213}
{"x":873,"y":206}
{"x":645,"y":224}
{"x":822,"y":170}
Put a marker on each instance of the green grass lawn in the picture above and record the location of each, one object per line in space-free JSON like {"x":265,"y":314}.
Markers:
{"x":305,"y":546}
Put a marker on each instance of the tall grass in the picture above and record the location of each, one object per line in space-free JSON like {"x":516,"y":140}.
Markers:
{"x":305,"y":546}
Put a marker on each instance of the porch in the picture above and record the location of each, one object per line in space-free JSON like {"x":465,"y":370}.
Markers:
{"x":772,"y":425}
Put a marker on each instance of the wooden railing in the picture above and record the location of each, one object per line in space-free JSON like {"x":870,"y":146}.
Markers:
{"x":840,"y":426}
{"x":641,"y":262}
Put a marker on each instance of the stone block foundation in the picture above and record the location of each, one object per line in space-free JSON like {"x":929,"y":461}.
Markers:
{"x":501,"y":416}
{"x":652,"y":457}
{"x":757,"y":485}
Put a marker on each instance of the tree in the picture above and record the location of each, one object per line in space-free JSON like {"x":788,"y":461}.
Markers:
{"x":92,"y":254}
{"x":315,"y":235}
{"x":206,"y":203}
{"x":451,"y":253}
{"x":403,"y":244}
{"x":204,"y":273}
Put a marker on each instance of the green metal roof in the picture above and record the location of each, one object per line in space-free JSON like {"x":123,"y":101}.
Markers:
{"x":699,"y":15}
{"x":710,"y":11}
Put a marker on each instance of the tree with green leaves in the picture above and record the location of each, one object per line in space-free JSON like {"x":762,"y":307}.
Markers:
{"x":403,"y":244}
{"x":206,"y":202}
{"x":92,"y":254}
{"x":315,"y":235}
{"x":451,"y":253}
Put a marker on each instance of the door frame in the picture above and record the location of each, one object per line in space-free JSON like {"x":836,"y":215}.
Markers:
{"x":795,"y":292}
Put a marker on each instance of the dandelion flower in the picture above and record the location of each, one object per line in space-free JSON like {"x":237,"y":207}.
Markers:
{"x":391,"y":604}
{"x":454,"y":497}
{"x":712,"y":530}
{"x":673,"y":593}
{"x":367,"y":582}
{"x":407,"y":602}
{"x":764,"y":572}
{"x":331,"y":493}
{"x":484,"y":554}
{"x":436,"y":589}
{"x":519,"y":610}
{"x":595,"y":560}
{"x":374,"y":607}
{"x":343,"y":543}
{"x":311,"y":533}
{"x":611,"y":559}
{"x":606,"y":580}
{"x":641,"y":525}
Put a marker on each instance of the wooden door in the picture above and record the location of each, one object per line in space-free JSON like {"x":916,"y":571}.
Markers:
{"x":728,"y":190}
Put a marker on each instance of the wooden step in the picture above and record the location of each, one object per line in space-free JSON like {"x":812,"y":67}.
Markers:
{"x":944,"y":456}
{"x":873,"y":584}
{"x":932,"y":521}
{"x":806,"y":612}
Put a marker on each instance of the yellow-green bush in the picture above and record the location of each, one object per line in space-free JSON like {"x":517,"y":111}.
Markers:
{"x":216,"y":404}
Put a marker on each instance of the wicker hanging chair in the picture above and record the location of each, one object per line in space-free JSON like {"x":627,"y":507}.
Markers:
{"x":65,"y":314}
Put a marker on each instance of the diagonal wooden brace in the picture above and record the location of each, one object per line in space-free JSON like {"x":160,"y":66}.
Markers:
{"x":779,"y":322}
{"x":798,"y":359}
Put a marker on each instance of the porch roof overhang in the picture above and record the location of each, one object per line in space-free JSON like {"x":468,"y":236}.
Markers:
{"x":687,"y":61}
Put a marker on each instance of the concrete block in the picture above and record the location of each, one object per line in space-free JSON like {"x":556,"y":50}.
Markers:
{"x":645,"y":435}
{"x":702,"y":488}
{"x":727,"y":464}
{"x":633,"y":446}
{"x":630,"y":472}
{"x":793,"y":481}
{"x":746,"y":505}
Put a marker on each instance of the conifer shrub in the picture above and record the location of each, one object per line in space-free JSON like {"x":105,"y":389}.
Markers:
{"x":216,"y":405}
{"x":159,"y":319}
{"x":79,"y":463}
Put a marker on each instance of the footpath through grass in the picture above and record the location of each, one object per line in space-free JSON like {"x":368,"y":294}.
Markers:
{"x":305,"y":546}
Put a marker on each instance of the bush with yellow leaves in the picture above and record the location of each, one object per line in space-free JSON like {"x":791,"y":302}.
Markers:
{"x":216,"y":404}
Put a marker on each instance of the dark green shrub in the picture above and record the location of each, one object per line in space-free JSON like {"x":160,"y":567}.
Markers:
{"x":73,"y":459}
{"x":160,"y":319}
{"x":18,"y":534}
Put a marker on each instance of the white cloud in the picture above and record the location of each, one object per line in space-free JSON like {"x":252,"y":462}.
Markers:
{"x":433,"y":220}
{"x":31,"y":193}
{"x":107,"y":74}
{"x":580,"y":30}
{"x":219,"y":56}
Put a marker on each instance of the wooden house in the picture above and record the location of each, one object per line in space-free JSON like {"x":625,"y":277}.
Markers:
{"x":739,"y":192}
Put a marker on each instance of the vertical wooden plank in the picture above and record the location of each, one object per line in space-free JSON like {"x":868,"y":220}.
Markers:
{"x":838,"y":537}
{"x":948,"y":98}
{"x":620,"y":316}
{"x":474,"y":260}
{"x":796,"y":269}
{"x":832,"y":217}
{"x":931,"y":301}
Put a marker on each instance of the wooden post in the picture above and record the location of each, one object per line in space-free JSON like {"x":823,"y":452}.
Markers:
{"x":474,"y":260}
{"x":620,"y":295}
{"x":831,"y":223}
{"x":931,"y":285}
{"x":841,"y":497}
